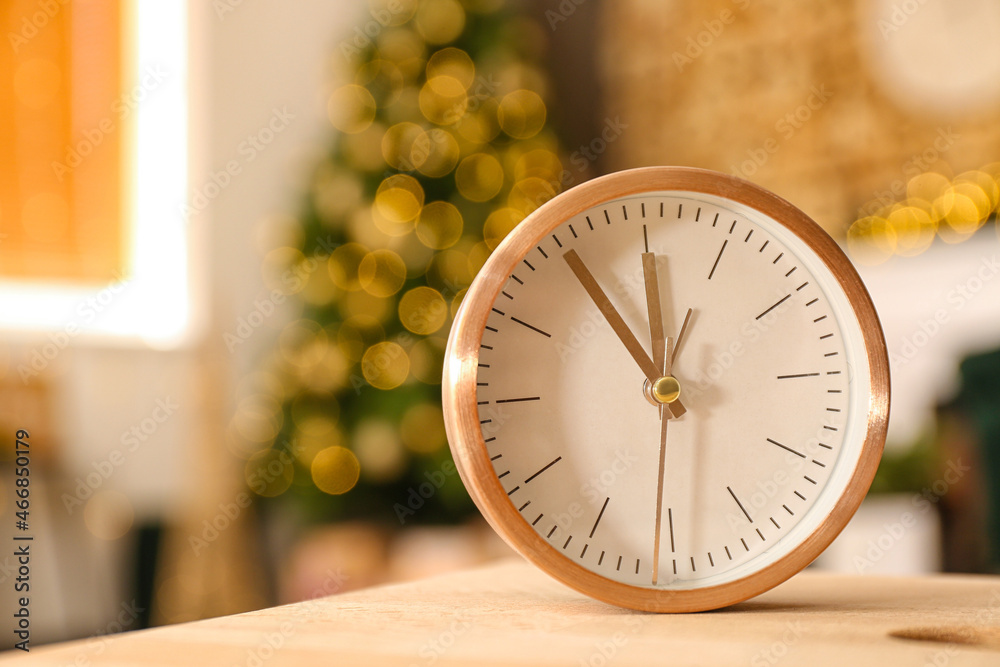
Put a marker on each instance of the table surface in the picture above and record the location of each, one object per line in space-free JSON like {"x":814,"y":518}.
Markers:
{"x":512,"y":614}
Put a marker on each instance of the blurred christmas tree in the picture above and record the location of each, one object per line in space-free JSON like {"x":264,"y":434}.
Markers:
{"x":443,"y":147}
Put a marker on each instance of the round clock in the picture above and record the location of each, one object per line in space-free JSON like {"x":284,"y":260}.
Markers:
{"x":667,"y":388}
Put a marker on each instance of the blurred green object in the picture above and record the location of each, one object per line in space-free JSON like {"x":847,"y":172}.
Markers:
{"x":443,"y":147}
{"x":910,"y":470}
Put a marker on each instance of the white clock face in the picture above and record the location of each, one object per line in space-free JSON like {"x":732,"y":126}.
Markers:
{"x":773,"y":376}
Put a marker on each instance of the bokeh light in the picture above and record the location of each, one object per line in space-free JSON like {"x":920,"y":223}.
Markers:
{"x":423,"y":310}
{"x":335,"y":470}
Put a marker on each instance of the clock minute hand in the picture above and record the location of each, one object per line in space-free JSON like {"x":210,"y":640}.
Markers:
{"x":662,"y":358}
{"x":618,"y":325}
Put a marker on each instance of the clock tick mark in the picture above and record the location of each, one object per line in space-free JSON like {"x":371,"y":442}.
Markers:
{"x":556,"y":239}
{"x":779,"y":302}
{"x":525,"y":324}
{"x":786,"y":448}
{"x":693,"y":568}
{"x":821,"y":465}
{"x":528,"y":264}
{"x":511,"y":492}
{"x":799,"y":495}
{"x":601,"y":559}
{"x":809,"y":479}
{"x":680,"y":207}
{"x":824,"y":445}
{"x":820,"y":318}
{"x":507,"y":295}
{"x":675,"y":566}
{"x":486,"y":347}
{"x":711,"y":561}
{"x":831,"y":354}
{"x":521,"y":508}
{"x":728,"y":555}
{"x":732,"y":227}
{"x":573,"y":231}
{"x":797,"y":375}
{"x":606,"y":217}
{"x":763,"y":539}
{"x":744,"y":544}
{"x":551,"y":531}
{"x":493,"y":329}
{"x":833,"y":409}
{"x":670,"y":519}
{"x":802,"y":286}
{"x":494,"y":458}
{"x":790,"y":272}
{"x":566,"y":543}
{"x":745,"y":513}
{"x":775,"y":523}
{"x":825,"y":336}
{"x":519,"y":281}
{"x":619,"y":564}
{"x":499,"y":311}
{"x":717,"y":258}
{"x":637,"y":566}
{"x":537,"y":519}
{"x":590,"y":224}
{"x":790,"y":512}
{"x":539,"y":248}
{"x":485,"y":421}
{"x":780,"y":255}
{"x":645,"y":238}
{"x":661,"y":209}
{"x":749,"y":234}
{"x":813,"y":301}
{"x":833,"y":372}
{"x":763,"y":246}
{"x":715,"y":220}
{"x":503,"y":474}
{"x":546,"y":467}
{"x":584,"y":552}
{"x":519,"y":400}
{"x":603,"y":507}
{"x":625,"y":211}
{"x":642,"y":207}
{"x":697,"y":216}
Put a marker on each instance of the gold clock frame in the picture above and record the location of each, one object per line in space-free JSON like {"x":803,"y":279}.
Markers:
{"x":462,"y":418}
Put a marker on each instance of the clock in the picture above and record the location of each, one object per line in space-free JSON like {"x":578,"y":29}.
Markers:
{"x":667,"y":388}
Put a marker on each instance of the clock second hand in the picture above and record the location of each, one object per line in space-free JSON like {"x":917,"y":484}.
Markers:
{"x":664,"y":420}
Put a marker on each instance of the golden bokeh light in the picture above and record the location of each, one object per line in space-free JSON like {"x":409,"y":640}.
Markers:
{"x":539,"y":163}
{"x":454,"y":63}
{"x":300,"y":342}
{"x":343,"y":265}
{"x":422,"y":428}
{"x":480,"y":126}
{"x":914,"y":229}
{"x":357,"y":334}
{"x":399,"y":199}
{"x":269,"y":473}
{"x":449,"y":270}
{"x":528,"y":194}
{"x":363,"y":151}
{"x":258,"y":418}
{"x":521,"y":114}
{"x":440,"y":21}
{"x":363,"y":303}
{"x":499,"y":224}
{"x":379,"y":450}
{"x":443,"y":100}
{"x":385,"y":365}
{"x":478,"y":255}
{"x":423,"y":310}
{"x":871,"y":240}
{"x":405,"y":146}
{"x":335,"y":470}
{"x":427,"y":359}
{"x":382,"y":78}
{"x":439,"y":225}
{"x":351,"y":108}
{"x":108,"y":515}
{"x":404,"y":48}
{"x":442,"y":153}
{"x":382,"y":273}
{"x":479,"y":177}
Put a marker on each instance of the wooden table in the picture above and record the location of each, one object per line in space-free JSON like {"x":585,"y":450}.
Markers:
{"x":512,"y":614}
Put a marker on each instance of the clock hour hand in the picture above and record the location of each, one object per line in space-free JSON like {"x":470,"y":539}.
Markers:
{"x":600,"y":299}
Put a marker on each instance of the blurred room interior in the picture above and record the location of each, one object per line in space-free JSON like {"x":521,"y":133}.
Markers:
{"x":234,"y":234}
